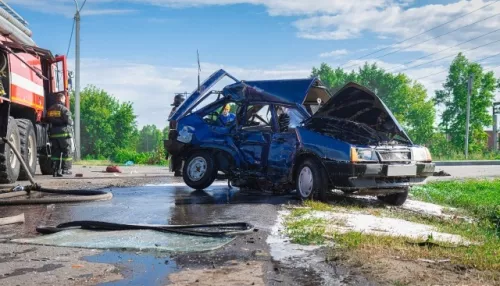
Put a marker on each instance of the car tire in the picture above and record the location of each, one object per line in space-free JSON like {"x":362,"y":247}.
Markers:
{"x":311,"y":181}
{"x":396,"y":199}
{"x":28,"y":148}
{"x":9,"y":164}
{"x":199,"y":170}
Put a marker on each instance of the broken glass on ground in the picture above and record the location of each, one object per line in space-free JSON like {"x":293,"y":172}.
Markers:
{"x":136,"y":240}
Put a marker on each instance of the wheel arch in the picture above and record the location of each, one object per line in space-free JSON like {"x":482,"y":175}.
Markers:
{"x":225,"y":158}
{"x":300,"y":158}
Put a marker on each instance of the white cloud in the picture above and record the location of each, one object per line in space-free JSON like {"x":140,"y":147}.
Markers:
{"x":334,"y":54}
{"x":67,"y":7}
{"x":151,"y":88}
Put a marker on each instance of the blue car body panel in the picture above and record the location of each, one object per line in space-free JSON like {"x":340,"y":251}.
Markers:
{"x":290,"y":91}
{"x":322,"y":146}
{"x":271,"y":153}
{"x":198,"y":93}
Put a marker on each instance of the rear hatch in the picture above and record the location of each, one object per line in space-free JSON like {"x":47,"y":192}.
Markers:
{"x":357,"y":116}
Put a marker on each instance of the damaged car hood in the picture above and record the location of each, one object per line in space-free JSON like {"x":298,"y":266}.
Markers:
{"x":357,"y":104}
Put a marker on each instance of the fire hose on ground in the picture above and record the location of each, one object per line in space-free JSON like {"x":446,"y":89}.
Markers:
{"x":77,"y":195}
{"x":221,"y":229}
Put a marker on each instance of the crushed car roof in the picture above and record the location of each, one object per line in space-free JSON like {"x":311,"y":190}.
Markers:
{"x":287,"y":91}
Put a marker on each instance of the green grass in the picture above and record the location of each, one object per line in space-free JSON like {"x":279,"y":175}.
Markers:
{"x":305,"y":230}
{"x":93,"y":163}
{"x":485,"y":256}
{"x":479,"y":198}
{"x":108,"y":163}
{"x":458,"y":156}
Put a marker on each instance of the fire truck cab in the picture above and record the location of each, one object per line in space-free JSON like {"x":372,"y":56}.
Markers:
{"x":29,"y":78}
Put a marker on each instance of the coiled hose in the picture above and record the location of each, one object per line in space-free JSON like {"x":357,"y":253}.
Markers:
{"x":79,"y":195}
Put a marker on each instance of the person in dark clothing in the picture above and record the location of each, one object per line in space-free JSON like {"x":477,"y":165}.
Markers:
{"x":60,"y":133}
{"x":176,"y":161}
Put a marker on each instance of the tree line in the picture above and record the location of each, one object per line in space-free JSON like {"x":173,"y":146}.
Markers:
{"x":109,"y":130}
{"x":416,"y":110}
{"x":109,"y":127}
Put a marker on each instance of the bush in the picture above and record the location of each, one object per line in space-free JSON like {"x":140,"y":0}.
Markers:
{"x":141,"y":158}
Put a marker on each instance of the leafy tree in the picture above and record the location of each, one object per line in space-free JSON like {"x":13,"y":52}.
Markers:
{"x":405,"y":98}
{"x":106,"y":124}
{"x":165,"y":132}
{"x":454,"y":98}
{"x":150,"y":139}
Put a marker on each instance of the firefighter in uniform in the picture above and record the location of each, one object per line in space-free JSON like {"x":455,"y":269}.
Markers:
{"x":60,"y":133}
{"x":175,"y":161}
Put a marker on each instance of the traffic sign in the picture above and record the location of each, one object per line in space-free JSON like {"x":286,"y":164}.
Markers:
{"x":496,"y":108}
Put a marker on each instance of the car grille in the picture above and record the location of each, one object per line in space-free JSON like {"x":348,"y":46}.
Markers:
{"x":395,"y":155}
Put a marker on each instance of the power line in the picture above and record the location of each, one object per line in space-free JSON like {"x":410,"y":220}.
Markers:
{"x":413,"y":37}
{"x":449,"y":56}
{"x":84,"y":2}
{"x":487,"y":70}
{"x":433,"y":38}
{"x":70,"y":38}
{"x":480,"y":60}
{"x":438,"y":52}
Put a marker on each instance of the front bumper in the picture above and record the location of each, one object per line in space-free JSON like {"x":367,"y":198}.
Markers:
{"x":171,"y":145}
{"x":349,"y":176}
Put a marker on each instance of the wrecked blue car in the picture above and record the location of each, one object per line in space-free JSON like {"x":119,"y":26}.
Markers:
{"x":286,"y":135}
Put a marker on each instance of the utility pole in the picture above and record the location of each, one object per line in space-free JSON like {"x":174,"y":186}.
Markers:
{"x":77,"y":83}
{"x":469,"y":92}
{"x":496,"y":111}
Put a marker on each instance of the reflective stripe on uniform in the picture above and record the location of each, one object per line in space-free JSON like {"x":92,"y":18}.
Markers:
{"x":62,"y":135}
{"x":64,"y":159}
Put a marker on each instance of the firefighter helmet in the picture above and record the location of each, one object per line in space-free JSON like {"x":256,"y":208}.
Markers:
{"x":178,"y":99}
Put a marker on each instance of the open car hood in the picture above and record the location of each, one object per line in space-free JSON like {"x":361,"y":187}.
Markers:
{"x":358,"y":104}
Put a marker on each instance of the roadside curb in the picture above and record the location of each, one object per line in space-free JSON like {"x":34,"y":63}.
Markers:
{"x":469,"y":163}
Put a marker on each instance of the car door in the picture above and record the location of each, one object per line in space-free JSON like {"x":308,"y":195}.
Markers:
{"x":283,"y":148}
{"x":254,"y":136}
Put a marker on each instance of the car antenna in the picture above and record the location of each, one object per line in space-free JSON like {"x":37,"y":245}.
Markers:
{"x":199,"y":70}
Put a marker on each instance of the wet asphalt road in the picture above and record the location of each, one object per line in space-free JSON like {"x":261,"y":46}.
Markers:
{"x":174,"y":203}
{"x":171,"y":202}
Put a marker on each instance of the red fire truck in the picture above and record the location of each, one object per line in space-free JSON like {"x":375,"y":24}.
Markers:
{"x":29,"y":78}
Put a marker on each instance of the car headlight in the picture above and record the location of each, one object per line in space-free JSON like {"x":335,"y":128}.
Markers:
{"x":360,"y":154}
{"x":421,"y":154}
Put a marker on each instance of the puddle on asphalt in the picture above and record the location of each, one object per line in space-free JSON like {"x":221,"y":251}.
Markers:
{"x":137,"y":268}
{"x":162,"y":204}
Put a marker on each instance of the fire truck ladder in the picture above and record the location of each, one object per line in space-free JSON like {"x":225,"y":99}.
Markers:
{"x":13,"y":13}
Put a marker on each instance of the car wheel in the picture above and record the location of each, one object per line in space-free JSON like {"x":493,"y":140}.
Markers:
{"x":199,"y":171}
{"x":311,"y":181}
{"x":396,"y":199}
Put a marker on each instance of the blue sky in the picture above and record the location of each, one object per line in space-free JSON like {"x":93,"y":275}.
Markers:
{"x":145,"y":50}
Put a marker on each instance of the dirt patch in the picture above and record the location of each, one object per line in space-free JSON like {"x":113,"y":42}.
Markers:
{"x":234,"y":273}
{"x":382,"y":268}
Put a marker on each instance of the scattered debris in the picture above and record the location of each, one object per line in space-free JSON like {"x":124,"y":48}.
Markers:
{"x":433,"y":261}
{"x":370,"y":224}
{"x":79,"y":175}
{"x":12,"y":219}
{"x":441,"y":174}
{"x":113,"y":169}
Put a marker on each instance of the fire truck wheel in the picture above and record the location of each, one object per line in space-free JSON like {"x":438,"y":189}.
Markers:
{"x":28,"y":146}
{"x":9,"y":164}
